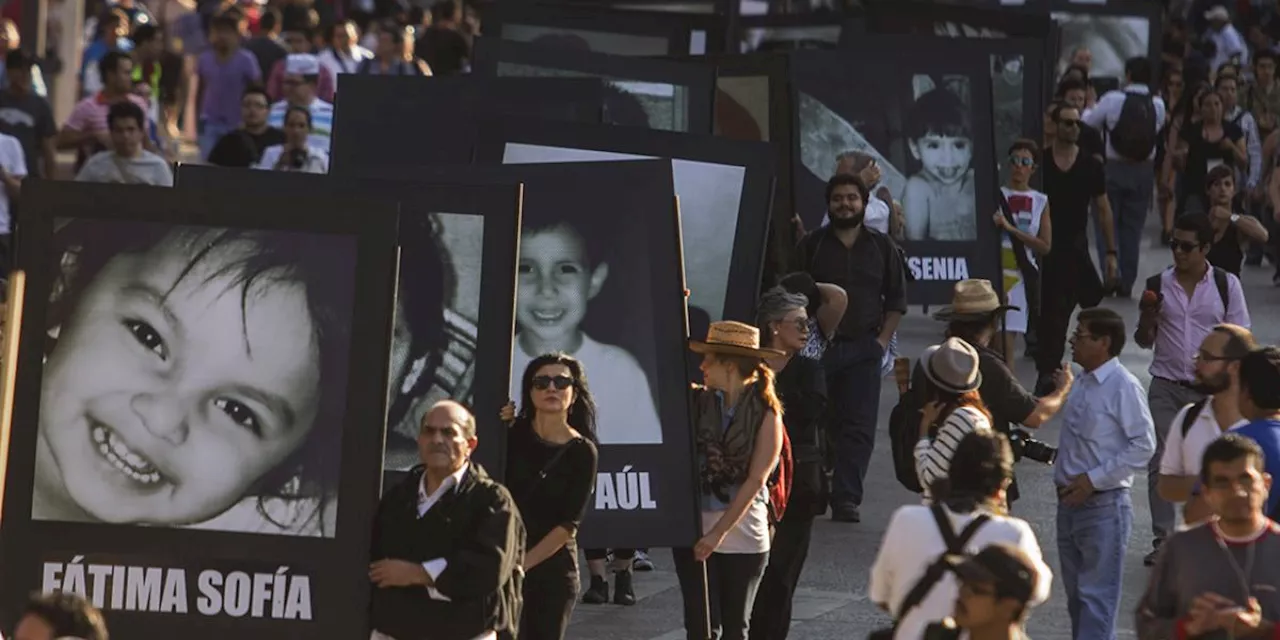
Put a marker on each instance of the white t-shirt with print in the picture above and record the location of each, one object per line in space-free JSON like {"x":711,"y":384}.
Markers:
{"x":912,"y":542}
{"x":1182,"y":456}
{"x":15,"y":164}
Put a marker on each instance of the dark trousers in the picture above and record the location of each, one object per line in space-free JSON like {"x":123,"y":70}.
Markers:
{"x":853,"y":384}
{"x":550,"y":591}
{"x":771,"y":615}
{"x":729,"y":594}
{"x":603,"y":554}
{"x":1129,"y":187}
{"x":1068,"y":278}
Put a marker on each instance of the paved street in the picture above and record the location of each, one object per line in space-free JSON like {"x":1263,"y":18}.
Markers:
{"x":832,"y":602}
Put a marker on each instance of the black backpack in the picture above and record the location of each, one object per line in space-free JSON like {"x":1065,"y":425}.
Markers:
{"x":1219,"y":278}
{"x":1134,"y":136}
{"x":904,"y":432}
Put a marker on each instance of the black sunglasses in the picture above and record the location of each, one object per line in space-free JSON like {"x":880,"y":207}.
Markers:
{"x":1019,"y":161}
{"x":1184,"y":246}
{"x":561,"y":383}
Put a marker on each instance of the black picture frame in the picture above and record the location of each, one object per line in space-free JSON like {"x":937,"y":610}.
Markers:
{"x":488,"y":351}
{"x":787,"y":32}
{"x":828,"y":88}
{"x":1108,"y":70}
{"x":693,"y":84}
{"x":516,"y":22}
{"x":374,"y":109}
{"x":743,"y":262}
{"x":172,"y":571}
{"x":632,"y":193}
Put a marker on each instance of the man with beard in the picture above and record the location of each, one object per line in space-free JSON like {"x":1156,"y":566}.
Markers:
{"x":1217,"y":369}
{"x":1179,"y":309}
{"x":865,"y":263}
{"x":1073,"y":180}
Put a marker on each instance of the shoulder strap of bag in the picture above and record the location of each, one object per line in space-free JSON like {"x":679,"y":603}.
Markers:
{"x":1224,"y":290}
{"x":1019,"y":250}
{"x":955,"y":546}
{"x":542,"y":475}
{"x":1189,"y":418}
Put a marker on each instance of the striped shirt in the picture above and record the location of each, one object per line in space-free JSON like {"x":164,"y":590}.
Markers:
{"x":933,"y":457}
{"x":321,"y":121}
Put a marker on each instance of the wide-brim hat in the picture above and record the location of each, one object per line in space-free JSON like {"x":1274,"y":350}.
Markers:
{"x":735,"y":339}
{"x":972,"y":300}
{"x":952,"y":366}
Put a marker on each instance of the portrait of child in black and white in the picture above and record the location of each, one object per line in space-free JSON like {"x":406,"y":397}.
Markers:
{"x":939,"y":200}
{"x":194,"y":377}
{"x":437,"y":313}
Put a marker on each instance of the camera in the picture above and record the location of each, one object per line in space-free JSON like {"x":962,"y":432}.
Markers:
{"x":297,"y":158}
{"x":1024,"y":446}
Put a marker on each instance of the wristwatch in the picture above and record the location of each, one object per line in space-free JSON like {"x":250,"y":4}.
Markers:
{"x":1235,"y":217}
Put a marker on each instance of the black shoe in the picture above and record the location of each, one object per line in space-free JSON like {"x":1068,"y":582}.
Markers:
{"x":623,"y":593}
{"x":598,"y":593}
{"x":1150,"y":559}
{"x":845,"y":513}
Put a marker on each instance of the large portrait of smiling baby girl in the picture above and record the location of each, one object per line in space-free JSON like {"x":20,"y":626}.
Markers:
{"x":194,"y":376}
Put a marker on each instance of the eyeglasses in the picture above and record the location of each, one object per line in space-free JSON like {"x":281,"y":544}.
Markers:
{"x":1068,"y":123}
{"x":542,"y":383}
{"x":801,"y":323}
{"x":1183,"y":246}
{"x":1208,"y":357}
{"x":1019,"y":161}
{"x":1078,"y":336}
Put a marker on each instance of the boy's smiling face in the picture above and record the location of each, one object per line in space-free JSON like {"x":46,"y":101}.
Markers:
{"x":944,"y":159}
{"x":169,"y":395}
{"x":556,"y":282}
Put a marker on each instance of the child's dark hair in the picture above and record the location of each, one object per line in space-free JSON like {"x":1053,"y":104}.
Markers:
{"x":939,"y":112}
{"x":67,"y":614}
{"x":582,"y":414}
{"x":593,"y":232}
{"x":1026,"y":144}
{"x":426,"y":281}
{"x":83,"y":247}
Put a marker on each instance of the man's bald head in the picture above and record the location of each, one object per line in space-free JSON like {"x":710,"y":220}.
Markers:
{"x":446,"y":437}
{"x":450,"y":412}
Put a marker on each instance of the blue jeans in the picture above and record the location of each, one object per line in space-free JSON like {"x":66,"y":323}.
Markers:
{"x":1129,"y":186}
{"x":1092,"y":539}
{"x":210,"y":133}
{"x":853,"y":384}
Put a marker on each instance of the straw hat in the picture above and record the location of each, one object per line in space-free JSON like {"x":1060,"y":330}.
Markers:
{"x":972,"y":299}
{"x":952,"y":366}
{"x":734,"y":339}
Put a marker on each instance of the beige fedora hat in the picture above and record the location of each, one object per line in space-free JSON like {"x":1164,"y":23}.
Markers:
{"x":734,"y":339}
{"x":972,"y":299}
{"x":952,"y":366}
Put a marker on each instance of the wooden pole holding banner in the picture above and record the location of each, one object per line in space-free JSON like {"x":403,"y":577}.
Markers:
{"x":11,"y":331}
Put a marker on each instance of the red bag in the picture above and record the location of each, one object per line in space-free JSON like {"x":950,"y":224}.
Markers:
{"x":780,"y":481}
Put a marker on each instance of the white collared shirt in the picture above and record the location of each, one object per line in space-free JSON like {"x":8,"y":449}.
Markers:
{"x":1182,"y":456}
{"x":1104,"y":115}
{"x":427,"y":500}
{"x":1107,"y":430}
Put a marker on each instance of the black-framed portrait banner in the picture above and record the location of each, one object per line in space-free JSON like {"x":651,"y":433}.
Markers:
{"x":640,"y":92}
{"x":601,"y":30}
{"x":1113,"y":32}
{"x":928,"y":125}
{"x":788,"y":32}
{"x":601,"y":277}
{"x":191,"y":447}
{"x":370,"y":110}
{"x":454,"y":303}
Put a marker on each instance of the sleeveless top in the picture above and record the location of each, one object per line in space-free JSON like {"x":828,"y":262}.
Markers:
{"x":737,"y":428}
{"x":1226,"y":253}
{"x":1027,"y":208}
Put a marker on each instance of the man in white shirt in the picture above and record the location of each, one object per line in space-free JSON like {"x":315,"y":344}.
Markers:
{"x":1131,"y":149}
{"x":1200,"y":423}
{"x":1227,"y":42}
{"x":301,"y":73}
{"x":13,"y":169}
{"x":345,"y":55}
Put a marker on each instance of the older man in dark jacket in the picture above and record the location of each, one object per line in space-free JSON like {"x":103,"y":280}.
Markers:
{"x":448,"y":543}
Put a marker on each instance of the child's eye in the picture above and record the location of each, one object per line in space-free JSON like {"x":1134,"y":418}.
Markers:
{"x":147,"y":337}
{"x":570,"y":269}
{"x":239,"y":414}
{"x":525,"y":269}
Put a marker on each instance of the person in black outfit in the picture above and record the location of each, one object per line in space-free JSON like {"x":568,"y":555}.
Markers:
{"x":801,"y":385}
{"x":1204,"y":145}
{"x":1230,"y":229}
{"x":551,"y":464}
{"x":1073,"y":180}
{"x":448,"y":543}
{"x":244,"y":146}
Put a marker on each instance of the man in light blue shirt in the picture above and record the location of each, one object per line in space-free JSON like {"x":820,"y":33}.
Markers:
{"x":1107,"y":435}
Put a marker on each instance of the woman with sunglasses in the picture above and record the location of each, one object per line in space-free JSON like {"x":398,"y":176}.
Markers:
{"x":551,"y":470}
{"x":1028,"y":223}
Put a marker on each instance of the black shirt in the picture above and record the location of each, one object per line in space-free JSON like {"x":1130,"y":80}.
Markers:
{"x":1008,"y":401}
{"x":870,"y":272}
{"x":1091,"y":142}
{"x":559,"y":498}
{"x":1200,"y":152}
{"x":1070,"y":194}
{"x":1226,"y":253}
{"x":240,"y":148}
{"x":29,"y":119}
{"x":802,"y":388}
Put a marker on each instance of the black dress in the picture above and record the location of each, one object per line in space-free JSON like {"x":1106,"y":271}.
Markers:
{"x":552,"y":486}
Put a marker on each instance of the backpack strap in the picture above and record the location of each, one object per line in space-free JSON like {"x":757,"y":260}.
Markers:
{"x":1224,"y":289}
{"x":1189,"y":418}
{"x":955,"y":546}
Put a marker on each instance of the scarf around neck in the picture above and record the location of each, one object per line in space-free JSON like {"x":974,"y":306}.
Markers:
{"x":726,"y":451}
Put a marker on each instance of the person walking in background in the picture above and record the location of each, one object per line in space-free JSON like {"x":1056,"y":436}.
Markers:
{"x":127,"y":162}
{"x":302,"y":72}
{"x":86,"y":128}
{"x":738,"y":424}
{"x":1259,"y":401}
{"x":344,"y":54}
{"x":801,"y":385}
{"x":244,"y":146}
{"x":1106,"y":435}
{"x":296,"y":153}
{"x":225,"y":70}
{"x":29,"y":117}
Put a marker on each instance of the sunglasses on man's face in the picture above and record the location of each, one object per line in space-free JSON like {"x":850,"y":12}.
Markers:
{"x":1183,"y":246}
{"x":542,"y":383}
{"x":1019,"y":161}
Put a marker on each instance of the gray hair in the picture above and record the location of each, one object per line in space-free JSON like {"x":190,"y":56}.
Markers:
{"x":775,"y":304}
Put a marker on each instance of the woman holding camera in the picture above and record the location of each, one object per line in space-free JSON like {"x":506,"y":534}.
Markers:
{"x":953,"y":407}
{"x":295,"y":154}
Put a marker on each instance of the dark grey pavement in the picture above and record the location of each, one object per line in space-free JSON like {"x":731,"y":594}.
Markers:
{"x":832,"y":602}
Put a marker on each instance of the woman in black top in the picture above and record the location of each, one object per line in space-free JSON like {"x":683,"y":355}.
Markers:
{"x":801,"y":385}
{"x":1203,"y":146}
{"x":551,"y":471}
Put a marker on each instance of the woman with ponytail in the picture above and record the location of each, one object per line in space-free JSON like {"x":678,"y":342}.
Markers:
{"x":973,"y":490}
{"x":738,"y":424}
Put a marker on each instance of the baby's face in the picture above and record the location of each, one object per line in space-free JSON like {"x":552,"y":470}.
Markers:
{"x":944,"y":158}
{"x":165,"y":400}
{"x":555,"y":283}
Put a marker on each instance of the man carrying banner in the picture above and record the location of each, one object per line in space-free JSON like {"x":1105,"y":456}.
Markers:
{"x":448,"y":543}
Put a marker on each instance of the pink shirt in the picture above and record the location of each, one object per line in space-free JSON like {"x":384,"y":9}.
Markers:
{"x":1186,"y":321}
{"x":90,"y":114}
